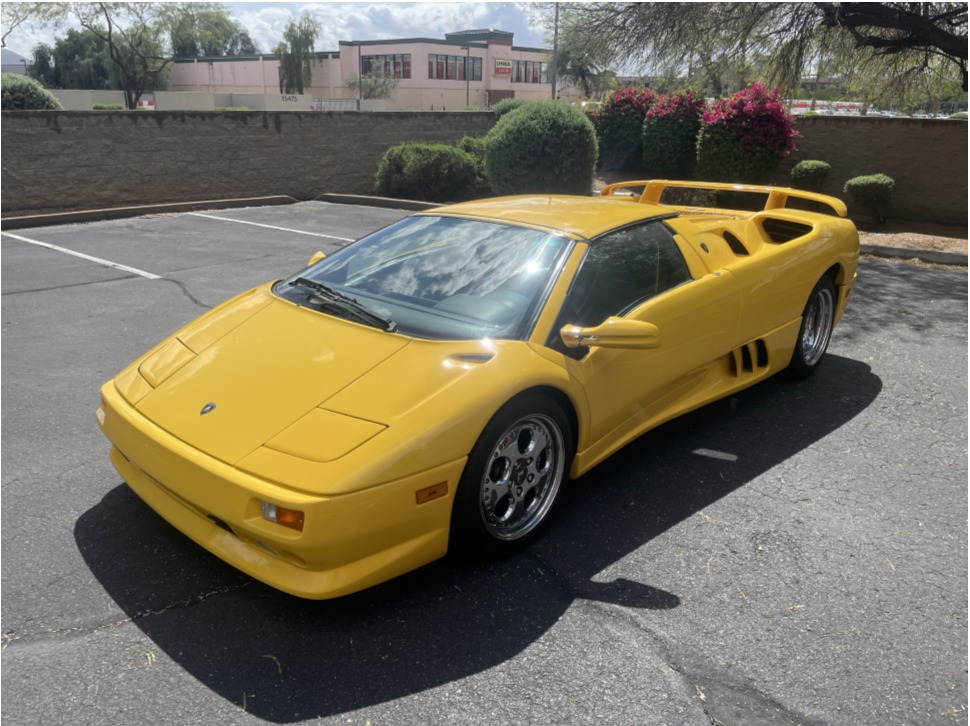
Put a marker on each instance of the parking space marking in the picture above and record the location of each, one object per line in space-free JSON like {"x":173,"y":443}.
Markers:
{"x":710,"y":453}
{"x":269,"y":226}
{"x":89,"y":258}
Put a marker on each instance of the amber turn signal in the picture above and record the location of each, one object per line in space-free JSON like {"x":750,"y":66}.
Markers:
{"x":435,"y":491}
{"x":292,"y":518}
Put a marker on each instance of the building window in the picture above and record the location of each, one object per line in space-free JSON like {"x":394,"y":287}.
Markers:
{"x":454,"y":67}
{"x":530,"y":72}
{"x":391,"y":66}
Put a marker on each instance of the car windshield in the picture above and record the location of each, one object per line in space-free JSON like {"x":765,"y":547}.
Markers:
{"x":442,"y":278}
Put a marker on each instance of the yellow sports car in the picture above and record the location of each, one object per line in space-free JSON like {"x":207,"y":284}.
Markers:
{"x":434,"y":384}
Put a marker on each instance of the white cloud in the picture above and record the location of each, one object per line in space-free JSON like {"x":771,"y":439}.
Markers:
{"x":266,"y":21}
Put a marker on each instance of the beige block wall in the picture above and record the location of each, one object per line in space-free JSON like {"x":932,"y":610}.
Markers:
{"x":62,"y":161}
{"x":927,"y":158}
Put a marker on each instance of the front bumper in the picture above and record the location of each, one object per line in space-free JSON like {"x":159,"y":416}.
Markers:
{"x":349,"y":542}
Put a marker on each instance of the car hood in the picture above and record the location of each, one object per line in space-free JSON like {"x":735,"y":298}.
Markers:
{"x":234,"y":379}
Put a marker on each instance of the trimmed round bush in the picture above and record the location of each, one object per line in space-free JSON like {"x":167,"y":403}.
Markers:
{"x":547,"y":147}
{"x":508,"y":105}
{"x":20,"y":93}
{"x":474,"y":146}
{"x":619,"y":128}
{"x":872,"y":193}
{"x":958,"y":116}
{"x":810,"y":174}
{"x":744,"y":136}
{"x":426,"y":172}
{"x":670,"y":134}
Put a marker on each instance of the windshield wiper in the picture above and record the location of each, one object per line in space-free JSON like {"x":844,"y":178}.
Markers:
{"x":334,"y":298}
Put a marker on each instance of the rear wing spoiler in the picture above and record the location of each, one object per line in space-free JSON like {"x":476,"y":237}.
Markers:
{"x":777,"y":196}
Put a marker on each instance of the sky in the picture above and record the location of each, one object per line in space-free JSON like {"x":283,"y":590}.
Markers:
{"x":265,"y":22}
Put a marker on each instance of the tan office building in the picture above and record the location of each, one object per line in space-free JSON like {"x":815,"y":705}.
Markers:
{"x":468,"y":68}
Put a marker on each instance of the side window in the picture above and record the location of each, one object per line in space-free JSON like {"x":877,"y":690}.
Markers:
{"x":621,"y":270}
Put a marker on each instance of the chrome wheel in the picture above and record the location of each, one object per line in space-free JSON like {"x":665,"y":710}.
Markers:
{"x":818,"y":319}
{"x":817,"y":324}
{"x":522,"y":477}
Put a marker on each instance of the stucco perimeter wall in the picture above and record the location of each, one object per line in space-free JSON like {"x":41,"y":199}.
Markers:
{"x":56,"y":161}
{"x":927,"y":158}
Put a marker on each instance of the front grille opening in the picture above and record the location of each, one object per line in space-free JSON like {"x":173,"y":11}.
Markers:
{"x":780,"y":231}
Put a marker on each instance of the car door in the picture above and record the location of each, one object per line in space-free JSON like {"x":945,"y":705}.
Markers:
{"x":639,"y":273}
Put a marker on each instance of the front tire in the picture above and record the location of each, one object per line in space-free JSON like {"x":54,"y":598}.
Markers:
{"x":818,"y":320}
{"x":513,"y":478}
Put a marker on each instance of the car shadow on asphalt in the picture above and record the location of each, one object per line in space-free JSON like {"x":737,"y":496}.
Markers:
{"x":284,"y":659}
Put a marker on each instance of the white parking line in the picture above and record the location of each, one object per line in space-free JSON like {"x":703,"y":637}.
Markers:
{"x":268,"y":226}
{"x":98,"y":260}
{"x":710,"y":453}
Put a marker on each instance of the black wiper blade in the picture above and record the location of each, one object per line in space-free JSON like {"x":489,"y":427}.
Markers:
{"x":328,"y":295}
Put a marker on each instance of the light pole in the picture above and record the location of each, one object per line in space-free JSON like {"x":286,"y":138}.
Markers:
{"x":467,"y":81}
{"x":555,"y":51}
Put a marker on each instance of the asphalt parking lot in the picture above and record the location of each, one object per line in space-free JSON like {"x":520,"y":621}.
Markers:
{"x":815,"y":572}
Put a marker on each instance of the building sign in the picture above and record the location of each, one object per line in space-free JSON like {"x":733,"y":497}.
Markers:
{"x":503,"y":67}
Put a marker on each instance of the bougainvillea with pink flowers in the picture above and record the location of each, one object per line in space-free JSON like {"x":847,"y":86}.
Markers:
{"x":670,"y":134}
{"x":619,"y":126}
{"x":744,"y":136}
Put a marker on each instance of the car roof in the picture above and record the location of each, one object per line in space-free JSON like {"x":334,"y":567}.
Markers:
{"x":585,"y":217}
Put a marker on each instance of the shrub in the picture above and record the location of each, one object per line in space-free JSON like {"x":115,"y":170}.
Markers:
{"x":508,"y":105}
{"x":427,"y":172}
{"x":872,"y":194}
{"x":670,"y":134}
{"x":810,"y":174}
{"x":744,"y":136}
{"x":474,"y":146}
{"x":20,"y":93}
{"x":959,"y":116}
{"x":544,"y":146}
{"x":107,"y":107}
{"x":619,"y":127}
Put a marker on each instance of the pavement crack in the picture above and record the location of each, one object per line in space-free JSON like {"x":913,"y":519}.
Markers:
{"x":27,"y":639}
{"x":185,"y":291}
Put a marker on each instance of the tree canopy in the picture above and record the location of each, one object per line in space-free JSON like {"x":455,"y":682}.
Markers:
{"x":126,"y":46}
{"x":780,"y":41}
{"x":295,"y":54}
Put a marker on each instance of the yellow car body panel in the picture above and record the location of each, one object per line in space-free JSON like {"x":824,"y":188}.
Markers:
{"x":366,"y":432}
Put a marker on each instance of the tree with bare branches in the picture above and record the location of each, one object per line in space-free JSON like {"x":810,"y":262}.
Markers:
{"x":780,"y":40}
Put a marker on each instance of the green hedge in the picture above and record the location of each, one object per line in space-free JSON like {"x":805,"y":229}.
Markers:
{"x":508,"y":105}
{"x":619,"y":128}
{"x":427,"y":172}
{"x":546,"y":147}
{"x":20,"y":93}
{"x":474,"y":146}
{"x":872,"y":193}
{"x":670,"y":135}
{"x":810,"y":174}
{"x":744,"y":136}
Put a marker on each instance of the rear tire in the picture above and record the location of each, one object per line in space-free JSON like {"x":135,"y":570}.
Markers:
{"x":818,"y":320}
{"x":512,"y":479}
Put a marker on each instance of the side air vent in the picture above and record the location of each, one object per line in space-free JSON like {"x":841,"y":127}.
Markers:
{"x":736,"y":245}
{"x":781,"y":230}
{"x":750,"y":359}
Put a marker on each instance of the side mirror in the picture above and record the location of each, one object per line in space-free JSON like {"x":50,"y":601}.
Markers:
{"x":614,"y":333}
{"x":317,"y":256}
